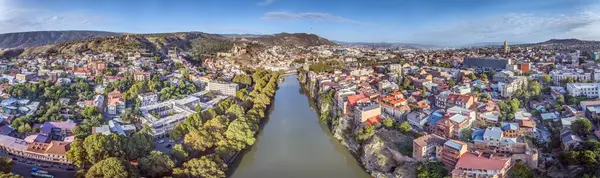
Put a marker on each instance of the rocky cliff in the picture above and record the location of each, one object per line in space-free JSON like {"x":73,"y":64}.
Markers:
{"x":381,"y":155}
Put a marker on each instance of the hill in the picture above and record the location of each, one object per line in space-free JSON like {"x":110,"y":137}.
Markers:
{"x":388,"y":45}
{"x":196,"y":43}
{"x":40,"y":38}
{"x":289,"y":39}
{"x":151,"y":43}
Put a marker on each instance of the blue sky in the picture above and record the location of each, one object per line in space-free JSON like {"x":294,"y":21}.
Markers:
{"x":438,"y":22}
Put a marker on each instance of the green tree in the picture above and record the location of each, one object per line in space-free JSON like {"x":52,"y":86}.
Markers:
{"x":242,"y":79}
{"x":388,"y":123}
{"x":431,"y":170}
{"x":451,"y":83}
{"x":6,"y":164}
{"x":90,"y":111}
{"x":546,"y":79}
{"x":99,"y":147}
{"x":200,"y":139}
{"x":10,"y":175}
{"x":366,"y":133}
{"x":179,"y":153}
{"x":112,"y":167}
{"x":155,"y":165}
{"x":588,"y":158}
{"x":520,"y":170}
{"x":77,"y":154}
{"x":406,"y":82}
{"x":466,"y":134}
{"x":560,"y":99}
{"x":405,"y":127}
{"x":138,"y":145}
{"x":210,"y":166}
{"x":582,"y":126}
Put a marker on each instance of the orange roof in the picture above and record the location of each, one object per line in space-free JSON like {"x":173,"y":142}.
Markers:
{"x":472,"y":161}
{"x":373,"y":120}
{"x":54,"y":147}
{"x":353,"y":99}
{"x":527,"y":123}
{"x":463,"y":98}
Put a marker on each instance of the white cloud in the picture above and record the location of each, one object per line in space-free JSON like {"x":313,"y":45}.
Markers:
{"x":518,"y":27}
{"x":15,"y":18}
{"x":265,"y":2}
{"x":307,"y":16}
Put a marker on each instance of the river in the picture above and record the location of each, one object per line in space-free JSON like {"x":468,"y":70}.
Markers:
{"x":293,"y":143}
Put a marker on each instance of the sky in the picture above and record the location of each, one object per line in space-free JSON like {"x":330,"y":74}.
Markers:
{"x":433,"y":22}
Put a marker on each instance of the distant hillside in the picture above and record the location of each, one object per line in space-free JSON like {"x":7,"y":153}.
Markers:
{"x":197,"y":43}
{"x":289,"y":39}
{"x":154,"y":43}
{"x":40,"y":38}
{"x":567,"y":42}
{"x":388,"y":45}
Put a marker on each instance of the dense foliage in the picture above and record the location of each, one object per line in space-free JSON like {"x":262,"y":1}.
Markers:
{"x":431,"y":170}
{"x":218,"y":133}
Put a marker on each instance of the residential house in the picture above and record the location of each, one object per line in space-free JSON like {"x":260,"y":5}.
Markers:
{"x":475,"y":165}
{"x":426,"y":147}
{"x":116,"y":103}
{"x":451,"y":153}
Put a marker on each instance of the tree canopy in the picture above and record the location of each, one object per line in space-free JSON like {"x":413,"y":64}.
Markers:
{"x":112,"y":167}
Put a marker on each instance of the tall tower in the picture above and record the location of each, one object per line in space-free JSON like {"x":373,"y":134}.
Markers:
{"x":506,"y":48}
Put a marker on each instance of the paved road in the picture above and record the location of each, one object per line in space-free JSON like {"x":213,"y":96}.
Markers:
{"x":25,"y":171}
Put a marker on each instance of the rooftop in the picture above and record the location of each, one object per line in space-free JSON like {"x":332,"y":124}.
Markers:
{"x":472,"y":161}
{"x":455,"y":144}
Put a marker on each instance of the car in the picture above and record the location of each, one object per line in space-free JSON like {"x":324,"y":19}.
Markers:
{"x":168,"y":146}
{"x":70,"y":169}
{"x":161,"y":141}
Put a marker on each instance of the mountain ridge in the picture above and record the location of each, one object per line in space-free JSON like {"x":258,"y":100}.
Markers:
{"x":40,"y":38}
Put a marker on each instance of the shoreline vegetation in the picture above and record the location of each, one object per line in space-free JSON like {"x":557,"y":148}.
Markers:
{"x":370,"y":146}
{"x":212,"y":138}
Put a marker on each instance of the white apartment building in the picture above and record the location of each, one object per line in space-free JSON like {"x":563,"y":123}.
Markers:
{"x":228,"y":89}
{"x":583,"y":89}
{"x":148,"y":99}
{"x":597,"y":75}
{"x":396,"y":68}
{"x":563,"y":74}
{"x":511,"y":86}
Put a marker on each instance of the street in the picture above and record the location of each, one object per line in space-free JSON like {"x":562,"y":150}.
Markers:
{"x":25,"y":171}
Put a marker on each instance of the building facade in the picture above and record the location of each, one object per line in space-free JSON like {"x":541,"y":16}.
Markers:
{"x":228,"y":89}
{"x":583,"y":89}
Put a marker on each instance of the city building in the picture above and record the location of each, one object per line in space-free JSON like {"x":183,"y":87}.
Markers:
{"x":148,"y":99}
{"x":367,"y":113}
{"x":576,"y":74}
{"x":228,"y":89}
{"x":490,"y":63}
{"x":116,"y":103}
{"x":165,"y":116}
{"x":425,"y":148}
{"x":583,"y":89}
{"x":451,"y":153}
{"x":511,"y":86}
{"x":53,"y":153}
{"x":476,"y":165}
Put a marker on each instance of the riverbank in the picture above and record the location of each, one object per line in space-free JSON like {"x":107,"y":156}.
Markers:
{"x":293,"y":143}
{"x":385,"y":154}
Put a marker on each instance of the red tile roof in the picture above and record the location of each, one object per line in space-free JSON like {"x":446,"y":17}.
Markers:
{"x":373,"y":120}
{"x":353,"y":99}
{"x":472,"y":161}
